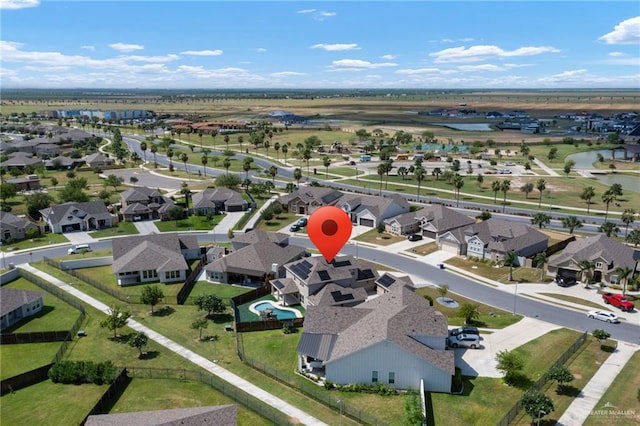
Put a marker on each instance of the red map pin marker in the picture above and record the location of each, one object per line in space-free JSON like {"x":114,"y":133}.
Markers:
{"x":329,"y":228}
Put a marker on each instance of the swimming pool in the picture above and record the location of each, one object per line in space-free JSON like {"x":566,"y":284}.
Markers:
{"x":280,"y":312}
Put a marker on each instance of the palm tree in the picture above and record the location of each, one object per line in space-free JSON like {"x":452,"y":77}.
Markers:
{"x":226,"y":163}
{"x":200,"y":136}
{"x":633,"y":237}
{"x":541,"y":185}
{"x":285,"y":149}
{"x":273,"y":171}
{"x":609,"y":228}
{"x":276,"y":146}
{"x":587,"y":194}
{"x":246,"y":166}
{"x":509,"y":259}
{"x":184,"y":159}
{"x":541,"y":258}
{"x":419,"y":173}
{"x":154,"y":149}
{"x":585,"y":271}
{"x":526,"y":188}
{"x":266,"y":144}
{"x":540,"y":219}
{"x":382,"y":168}
{"x":326,"y":162}
{"x":572,"y":223}
{"x":402,"y":171}
{"x":226,"y":141}
{"x":170,"y":156}
{"x":437,"y":172}
{"x":240,"y":141}
{"x":505,"y":185}
{"x":624,"y":275}
{"x":458,"y":183}
{"x":306,"y":156}
{"x":628,"y":217}
{"x":495,"y":187}
{"x":297,"y":175}
{"x":608,"y":197}
{"x":143,"y":148}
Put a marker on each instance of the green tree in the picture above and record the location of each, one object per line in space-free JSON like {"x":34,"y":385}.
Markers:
{"x":273,"y":172}
{"x":633,"y":237}
{"x":246,"y":166}
{"x":7,"y":190}
{"x":572,"y":223}
{"x":510,"y":258}
{"x":380,"y":227}
{"x":154,"y":151}
{"x":306,"y":156}
{"x":541,"y":258}
{"x":541,"y":219}
{"x":628,"y":217}
{"x":204,"y":160}
{"x":382,"y":168}
{"x":36,"y":202}
{"x":297,"y":175}
{"x":607,"y":198}
{"x":437,"y":171}
{"x":505,"y":185}
{"x":495,"y":187}
{"x":175,"y":213}
{"x":527,"y":188}
{"x":114,"y":181}
{"x":458,"y":183}
{"x":412,"y":410}
{"x":624,"y":275}
{"x":210,"y":303}
{"x":541,"y":185}
{"x":568,"y":166}
{"x":469,"y":312}
{"x":151,"y":295}
{"x":403,"y":171}
{"x":510,"y":364}
{"x":419,"y":173}
{"x":587,"y":194}
{"x":585,"y":266}
{"x":609,"y":228}
{"x":138,"y":340}
{"x":561,"y":375}
{"x":326,"y":162}
{"x":484,"y":215}
{"x":228,"y":181}
{"x":536,"y":404}
{"x":184,"y":158}
{"x":116,"y":318}
{"x":226,"y":163}
{"x":74,"y":191}
{"x":200,"y":324}
{"x":601,"y":335}
{"x":143,"y":148}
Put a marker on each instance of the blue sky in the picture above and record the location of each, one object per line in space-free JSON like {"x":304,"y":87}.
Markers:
{"x":319,"y":44}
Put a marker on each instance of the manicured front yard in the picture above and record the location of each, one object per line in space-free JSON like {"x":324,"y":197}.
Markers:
{"x":121,"y":228}
{"x":279,"y":222}
{"x":383,"y":239}
{"x":498,"y":273}
{"x":44,"y":240}
{"x":192,"y":223}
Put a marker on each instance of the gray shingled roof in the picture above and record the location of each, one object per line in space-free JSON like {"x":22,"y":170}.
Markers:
{"x":221,"y":415}
{"x":162,"y":252}
{"x":336,"y":295}
{"x":504,"y":235}
{"x":442,"y":218}
{"x":592,"y":248}
{"x":58,"y":212}
{"x":376,"y":205}
{"x":397,"y":316}
{"x":257,"y":235}
{"x":139,"y":193}
{"x":256,"y":259}
{"x":13,"y":298}
{"x":226,"y":196}
{"x":319,"y":271}
{"x":312,"y":194}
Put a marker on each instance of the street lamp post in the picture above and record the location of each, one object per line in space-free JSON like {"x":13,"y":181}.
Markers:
{"x":540,"y":413}
{"x":515,"y":298}
{"x":340,"y":407}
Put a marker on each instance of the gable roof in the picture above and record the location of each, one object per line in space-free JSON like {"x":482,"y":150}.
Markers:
{"x":376,"y":205}
{"x":258,"y":235}
{"x":57,"y":213}
{"x":442,"y":218}
{"x":210,"y":196}
{"x":400,"y":316}
{"x":592,"y":248}
{"x":256,"y":258}
{"x":505,"y":235}
{"x":139,"y":193}
{"x":10,"y":220}
{"x":13,"y":298}
{"x":162,"y":252}
{"x":315,"y":270}
{"x":312,"y":194}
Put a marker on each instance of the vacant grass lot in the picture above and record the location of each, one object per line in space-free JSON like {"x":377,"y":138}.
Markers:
{"x":501,"y":274}
{"x":49,"y":403}
{"x":17,"y":359}
{"x":161,"y":394}
{"x":623,"y":395}
{"x":121,"y":228}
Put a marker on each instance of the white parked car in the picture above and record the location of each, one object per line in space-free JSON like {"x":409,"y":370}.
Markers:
{"x":465,"y":341}
{"x":603,"y":316}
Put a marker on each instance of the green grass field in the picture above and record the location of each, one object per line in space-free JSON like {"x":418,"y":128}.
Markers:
{"x":192,"y":223}
{"x":17,"y":359}
{"x":122,"y":228}
{"x":44,"y":240}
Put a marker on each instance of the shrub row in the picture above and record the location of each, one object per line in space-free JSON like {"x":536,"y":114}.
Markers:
{"x":378,"y":388}
{"x":78,"y":372}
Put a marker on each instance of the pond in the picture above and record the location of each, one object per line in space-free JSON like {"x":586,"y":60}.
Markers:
{"x":585,"y":160}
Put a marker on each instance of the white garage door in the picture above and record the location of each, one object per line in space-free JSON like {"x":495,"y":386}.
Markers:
{"x":449,"y":247}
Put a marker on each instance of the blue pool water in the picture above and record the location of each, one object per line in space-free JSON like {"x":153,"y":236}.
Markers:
{"x":281,"y":314}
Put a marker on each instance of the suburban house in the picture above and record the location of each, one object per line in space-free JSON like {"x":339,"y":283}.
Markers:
{"x":142,"y":203}
{"x":257,"y":235}
{"x":214,"y":200}
{"x":369,"y":210}
{"x":605,"y":254}
{"x":98,"y":159}
{"x":14,"y":228}
{"x":25,"y":183}
{"x":63,"y":162}
{"x":47,"y":150}
{"x":493,"y":238}
{"x":85,"y":216}
{"x":254,"y":263}
{"x":396,"y":339}
{"x":308,"y":199}
{"x":16,"y":304}
{"x":313,"y":281}
{"x":219,"y":415}
{"x":20,"y":160}
{"x":154,"y":257}
{"x":431,"y":221}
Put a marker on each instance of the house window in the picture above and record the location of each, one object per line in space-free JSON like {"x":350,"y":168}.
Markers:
{"x":172,"y":274}
{"x":392,"y":377}
{"x":599,"y":265}
{"x":374,"y":376}
{"x":152,"y":273}
{"x":294,"y":208}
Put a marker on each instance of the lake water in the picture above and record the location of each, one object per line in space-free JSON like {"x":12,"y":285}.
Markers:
{"x":585,"y":160}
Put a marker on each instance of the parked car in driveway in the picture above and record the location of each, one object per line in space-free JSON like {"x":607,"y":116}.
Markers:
{"x":565,"y":281}
{"x":302,"y":222}
{"x":466,"y":329}
{"x":465,"y":341}
{"x":603,"y":316}
{"x":414,"y":237}
{"x":294,"y":228}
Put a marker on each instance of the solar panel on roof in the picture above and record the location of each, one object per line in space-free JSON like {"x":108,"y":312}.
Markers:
{"x":339,"y":297}
{"x":386,"y":280}
{"x":341,"y":263}
{"x":324,"y":275}
{"x":365,"y":274}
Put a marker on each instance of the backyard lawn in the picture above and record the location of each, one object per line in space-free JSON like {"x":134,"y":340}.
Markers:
{"x":20,"y":358}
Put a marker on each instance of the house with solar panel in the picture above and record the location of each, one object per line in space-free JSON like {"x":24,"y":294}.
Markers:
{"x":312,"y":281}
{"x":396,"y":339}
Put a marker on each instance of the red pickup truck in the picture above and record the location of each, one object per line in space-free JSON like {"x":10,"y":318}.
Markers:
{"x":618,"y":301}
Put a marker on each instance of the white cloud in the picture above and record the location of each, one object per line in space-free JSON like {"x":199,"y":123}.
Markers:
{"x":216,"y":52}
{"x":326,"y":14}
{"x":336,"y":47}
{"x":617,"y":54}
{"x":136,"y":58}
{"x":626,"y":32}
{"x":358,"y":65}
{"x":305,"y":11}
{"x":318,"y":15}
{"x":484,"y":52}
{"x":260,"y":49}
{"x":388,"y":57}
{"x":453,"y":40}
{"x":124,"y":47}
{"x":483,"y":67}
{"x":415,"y":71}
{"x":88,"y":47}
{"x":287,"y":74}
{"x":18,"y":4}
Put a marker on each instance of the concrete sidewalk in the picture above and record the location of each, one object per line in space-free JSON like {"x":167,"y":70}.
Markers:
{"x":251,"y":389}
{"x":586,"y":402}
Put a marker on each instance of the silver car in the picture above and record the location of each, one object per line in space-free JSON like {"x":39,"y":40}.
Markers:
{"x":465,"y":341}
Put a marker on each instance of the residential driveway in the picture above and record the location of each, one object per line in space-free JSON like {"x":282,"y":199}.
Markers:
{"x":436,"y":258}
{"x":228,"y":222}
{"x":79,"y":237}
{"x":482,"y":362}
{"x":407,"y":245}
{"x":146,"y":227}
